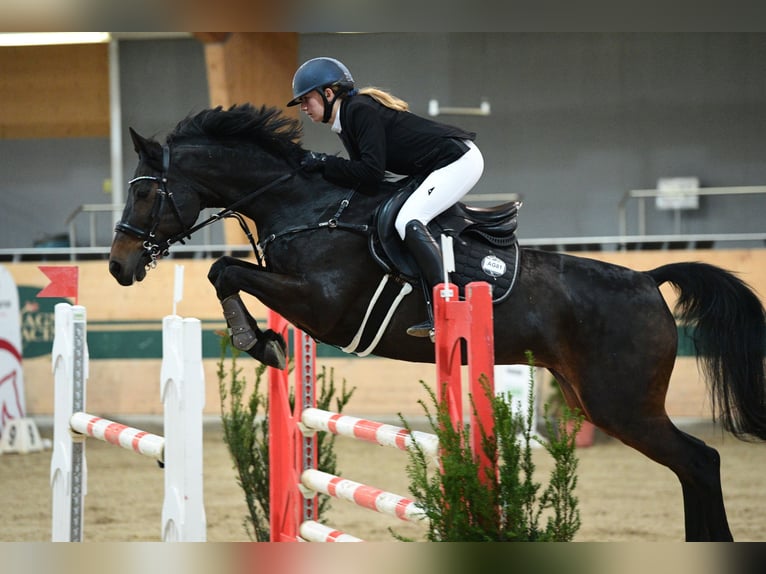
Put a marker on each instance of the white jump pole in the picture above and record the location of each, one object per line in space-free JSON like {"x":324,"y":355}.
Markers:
{"x":183,"y":394}
{"x":68,"y":469}
{"x":182,"y":389}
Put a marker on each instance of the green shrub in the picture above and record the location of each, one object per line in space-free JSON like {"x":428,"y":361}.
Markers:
{"x":508,"y":505}
{"x":246,"y":433}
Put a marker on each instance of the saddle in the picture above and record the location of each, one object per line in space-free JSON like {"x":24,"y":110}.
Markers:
{"x":484,"y":242}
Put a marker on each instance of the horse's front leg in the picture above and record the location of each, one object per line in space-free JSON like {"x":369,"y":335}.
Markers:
{"x":223,"y":277}
{"x":229,"y":276}
{"x":268,"y":347}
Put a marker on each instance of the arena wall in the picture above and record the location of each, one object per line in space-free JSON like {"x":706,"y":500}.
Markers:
{"x":124,"y":338}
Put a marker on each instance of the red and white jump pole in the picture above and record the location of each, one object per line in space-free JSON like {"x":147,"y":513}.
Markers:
{"x":182,"y":390}
{"x":129,"y":438}
{"x":294,"y":479}
{"x":370,"y":431}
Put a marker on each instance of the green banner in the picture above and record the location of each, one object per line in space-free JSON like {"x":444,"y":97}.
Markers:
{"x":143,"y":339}
{"x":37,"y":322}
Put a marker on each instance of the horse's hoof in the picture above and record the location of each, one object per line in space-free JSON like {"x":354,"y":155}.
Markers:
{"x":270,"y":353}
{"x":271,"y":350}
{"x":274,"y":355}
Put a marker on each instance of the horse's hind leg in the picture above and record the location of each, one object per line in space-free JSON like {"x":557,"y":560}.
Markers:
{"x":697,"y":466}
{"x":624,"y":394}
{"x":703,"y":503}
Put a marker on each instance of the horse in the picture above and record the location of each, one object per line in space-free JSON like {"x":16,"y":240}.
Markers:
{"x":604,"y":331}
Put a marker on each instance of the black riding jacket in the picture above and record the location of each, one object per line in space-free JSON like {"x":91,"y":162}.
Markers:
{"x":378,"y":138}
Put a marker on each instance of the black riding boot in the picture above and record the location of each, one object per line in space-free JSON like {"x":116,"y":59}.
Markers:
{"x":426,"y":252}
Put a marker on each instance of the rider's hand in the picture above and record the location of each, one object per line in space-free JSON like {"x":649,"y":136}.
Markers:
{"x":314,"y":161}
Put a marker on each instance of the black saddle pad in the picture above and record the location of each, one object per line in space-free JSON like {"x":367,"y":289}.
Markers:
{"x":484,"y":243}
{"x":476,"y":261}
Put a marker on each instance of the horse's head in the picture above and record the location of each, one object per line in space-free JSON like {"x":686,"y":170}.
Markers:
{"x":215,"y":158}
{"x":158,"y":209}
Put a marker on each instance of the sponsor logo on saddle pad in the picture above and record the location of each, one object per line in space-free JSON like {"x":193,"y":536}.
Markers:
{"x":493,"y":266}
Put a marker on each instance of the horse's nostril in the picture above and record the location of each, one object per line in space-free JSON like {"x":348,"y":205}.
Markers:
{"x":115,"y":268}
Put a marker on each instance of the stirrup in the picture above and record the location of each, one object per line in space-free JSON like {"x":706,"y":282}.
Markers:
{"x":243,"y":336}
{"x":424,"y":329}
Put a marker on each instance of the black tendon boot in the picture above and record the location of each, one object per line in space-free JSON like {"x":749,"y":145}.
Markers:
{"x":243,"y":336}
{"x":267,"y":346}
{"x":426,"y":252}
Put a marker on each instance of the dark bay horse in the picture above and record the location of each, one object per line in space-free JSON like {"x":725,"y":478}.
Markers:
{"x":604,"y":331}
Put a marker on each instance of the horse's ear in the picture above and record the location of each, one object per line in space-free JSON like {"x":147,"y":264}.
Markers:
{"x":140,"y":144}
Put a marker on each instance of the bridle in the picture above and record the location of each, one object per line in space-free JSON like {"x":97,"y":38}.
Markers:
{"x":158,"y":249}
{"x":154,"y":248}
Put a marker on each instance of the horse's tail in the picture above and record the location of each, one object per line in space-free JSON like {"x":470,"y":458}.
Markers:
{"x":729,"y":333}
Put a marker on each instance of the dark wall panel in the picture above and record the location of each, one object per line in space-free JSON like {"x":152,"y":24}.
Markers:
{"x":577,"y":121}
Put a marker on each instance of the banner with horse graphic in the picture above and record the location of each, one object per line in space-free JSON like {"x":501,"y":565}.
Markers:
{"x":12,"y":403}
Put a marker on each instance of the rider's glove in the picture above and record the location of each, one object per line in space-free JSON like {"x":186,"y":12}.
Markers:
{"x":314,"y":161}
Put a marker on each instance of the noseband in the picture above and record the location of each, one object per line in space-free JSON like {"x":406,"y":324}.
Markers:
{"x":154,"y":248}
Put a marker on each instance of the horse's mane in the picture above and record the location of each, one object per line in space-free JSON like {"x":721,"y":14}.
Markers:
{"x":265,"y":126}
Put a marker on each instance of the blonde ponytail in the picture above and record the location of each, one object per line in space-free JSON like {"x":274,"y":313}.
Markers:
{"x":386,"y":99}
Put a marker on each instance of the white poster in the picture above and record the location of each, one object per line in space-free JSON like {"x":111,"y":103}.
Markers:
{"x":12,"y":405}
{"x":515,"y":379}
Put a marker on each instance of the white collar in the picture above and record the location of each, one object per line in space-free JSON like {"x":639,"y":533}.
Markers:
{"x":336,"y":127}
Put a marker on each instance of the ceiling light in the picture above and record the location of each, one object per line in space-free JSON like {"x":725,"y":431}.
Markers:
{"x":49,"y":38}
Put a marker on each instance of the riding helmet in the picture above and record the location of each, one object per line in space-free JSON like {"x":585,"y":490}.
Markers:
{"x":319,"y":73}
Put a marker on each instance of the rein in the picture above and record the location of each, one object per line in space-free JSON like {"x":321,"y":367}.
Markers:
{"x":332,"y":223}
{"x":227,"y":212}
{"x":158,"y":249}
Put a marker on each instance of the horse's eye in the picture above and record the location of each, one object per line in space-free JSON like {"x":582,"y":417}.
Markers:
{"x":142,"y":191}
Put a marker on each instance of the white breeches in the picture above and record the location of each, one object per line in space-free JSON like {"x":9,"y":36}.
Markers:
{"x":442,"y":189}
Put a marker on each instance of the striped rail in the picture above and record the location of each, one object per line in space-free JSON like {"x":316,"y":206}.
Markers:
{"x":362,"y":495}
{"x":129,"y":438}
{"x":370,"y":431}
{"x":313,"y":531}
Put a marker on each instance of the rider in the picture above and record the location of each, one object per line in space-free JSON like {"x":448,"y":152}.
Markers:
{"x":384,"y":140}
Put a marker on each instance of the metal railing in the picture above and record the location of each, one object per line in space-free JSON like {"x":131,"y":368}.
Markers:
{"x":204,"y":248}
{"x":657,"y":242}
{"x":563,"y":244}
{"x":92,"y":209}
{"x":19,"y":254}
{"x":641,"y":195}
